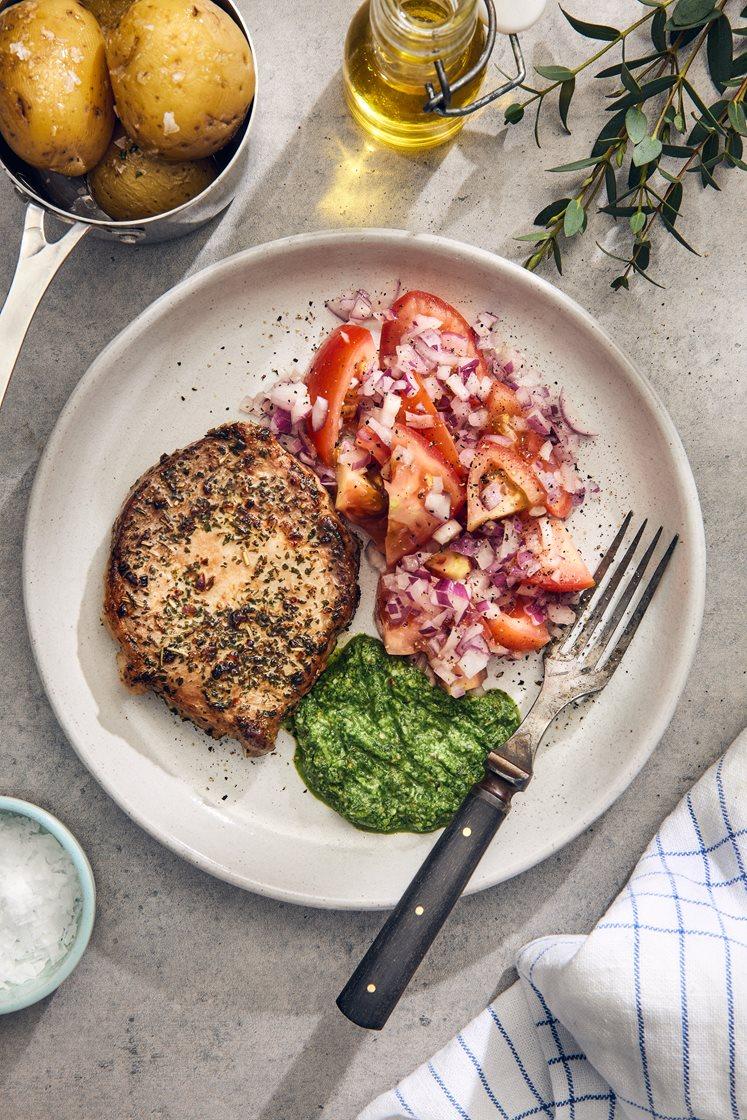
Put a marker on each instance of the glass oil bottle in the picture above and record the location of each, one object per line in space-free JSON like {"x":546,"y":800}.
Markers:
{"x":390,"y":52}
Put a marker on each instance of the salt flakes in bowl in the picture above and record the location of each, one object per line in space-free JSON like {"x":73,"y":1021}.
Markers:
{"x":46,"y":903}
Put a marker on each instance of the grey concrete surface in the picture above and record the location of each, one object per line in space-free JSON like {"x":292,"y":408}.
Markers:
{"x":196,"y":1001}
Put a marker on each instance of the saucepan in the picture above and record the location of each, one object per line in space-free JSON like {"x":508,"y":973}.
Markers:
{"x":68,"y":200}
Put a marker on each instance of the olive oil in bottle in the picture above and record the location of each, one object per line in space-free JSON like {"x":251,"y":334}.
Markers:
{"x":390,"y":52}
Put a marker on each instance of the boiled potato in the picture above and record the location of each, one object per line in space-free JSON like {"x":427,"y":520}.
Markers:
{"x":130,"y":183}
{"x":182,"y":74}
{"x":55,"y":98}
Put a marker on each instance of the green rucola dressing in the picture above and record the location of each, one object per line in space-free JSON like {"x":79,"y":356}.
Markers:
{"x":387,"y":749}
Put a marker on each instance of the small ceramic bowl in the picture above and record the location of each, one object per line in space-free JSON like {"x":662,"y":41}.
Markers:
{"x":23,"y":995}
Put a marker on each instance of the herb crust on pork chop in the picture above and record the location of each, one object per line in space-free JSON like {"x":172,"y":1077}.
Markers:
{"x":229,"y":580}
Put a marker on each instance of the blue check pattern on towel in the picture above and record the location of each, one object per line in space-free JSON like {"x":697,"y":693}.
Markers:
{"x":643,"y":1019}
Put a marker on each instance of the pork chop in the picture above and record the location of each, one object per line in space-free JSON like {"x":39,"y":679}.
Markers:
{"x":229,"y":581}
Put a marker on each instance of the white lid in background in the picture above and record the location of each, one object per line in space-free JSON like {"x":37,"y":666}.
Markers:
{"x":517,"y":15}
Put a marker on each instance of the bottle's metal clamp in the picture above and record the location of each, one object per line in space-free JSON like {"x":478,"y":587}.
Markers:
{"x":441,"y":102}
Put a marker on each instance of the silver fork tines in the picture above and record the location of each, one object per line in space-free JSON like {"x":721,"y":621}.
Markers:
{"x":601,"y":610}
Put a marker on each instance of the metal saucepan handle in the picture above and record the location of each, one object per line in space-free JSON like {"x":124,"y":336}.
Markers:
{"x":38,"y":261}
{"x":372,"y":992}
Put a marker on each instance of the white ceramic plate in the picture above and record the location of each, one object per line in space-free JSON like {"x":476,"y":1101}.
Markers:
{"x":184,"y":366}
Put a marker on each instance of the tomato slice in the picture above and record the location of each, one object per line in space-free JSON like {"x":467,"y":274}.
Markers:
{"x":504,"y":466}
{"x":501,"y":403}
{"x":362,"y":500}
{"x":529,"y":443}
{"x":560,"y":505}
{"x":414,"y":465}
{"x":343,"y":355}
{"x":438,"y":435}
{"x":402,"y":640}
{"x":516,"y":630}
{"x":357,"y":494}
{"x":561,"y":565}
{"x":414,"y":303}
{"x":366,"y":438}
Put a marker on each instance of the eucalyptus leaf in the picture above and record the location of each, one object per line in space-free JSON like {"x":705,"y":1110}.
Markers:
{"x":649,"y":89}
{"x":610,"y":134}
{"x":629,"y":81}
{"x":631,"y":63}
{"x":646,"y":151}
{"x":564,"y":102}
{"x":708,"y":157}
{"x":622,"y":281}
{"x":610,"y":184}
{"x":578,"y":164}
{"x":592,"y":30}
{"x":671,"y":207}
{"x":637,"y":176}
{"x":707,"y":114}
{"x":625,"y":211}
{"x":737,"y":117}
{"x":575,"y":218}
{"x":670,"y":178}
{"x":645,"y":275}
{"x":636,"y":124}
{"x":688,"y":12}
{"x":514,"y":113}
{"x":658,"y":34}
{"x":637,"y":221}
{"x":677,"y":151}
{"x":535,"y":235}
{"x":540,"y":103}
{"x":555,"y":73}
{"x":734,"y":160}
{"x":556,"y":255}
{"x":678,"y":237}
{"x":702,"y":126}
{"x":719,"y":50}
{"x":550,"y":212}
{"x":740,"y":65}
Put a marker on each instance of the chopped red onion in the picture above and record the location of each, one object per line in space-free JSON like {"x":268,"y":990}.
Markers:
{"x":457,"y":386}
{"x":419,"y":420}
{"x":484,"y":555}
{"x":447,"y":532}
{"x":438,"y":504}
{"x":493,"y":495}
{"x":560,"y":614}
{"x":319,"y":413}
{"x":473,"y":662}
{"x":384,"y":434}
{"x":571,"y":423}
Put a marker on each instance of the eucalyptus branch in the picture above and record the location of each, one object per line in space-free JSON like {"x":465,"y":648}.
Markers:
{"x":668,"y":203}
{"x":660,"y":79}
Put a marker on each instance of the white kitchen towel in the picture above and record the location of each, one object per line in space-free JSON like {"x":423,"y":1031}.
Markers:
{"x":643,"y":1019}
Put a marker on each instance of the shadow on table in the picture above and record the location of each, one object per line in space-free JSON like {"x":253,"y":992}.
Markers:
{"x":331,"y":175}
{"x":318,"y":1070}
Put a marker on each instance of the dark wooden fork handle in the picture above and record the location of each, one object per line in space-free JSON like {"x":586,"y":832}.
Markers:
{"x":372,"y":992}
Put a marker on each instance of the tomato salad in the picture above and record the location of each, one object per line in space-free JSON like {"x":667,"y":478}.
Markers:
{"x":459,"y":464}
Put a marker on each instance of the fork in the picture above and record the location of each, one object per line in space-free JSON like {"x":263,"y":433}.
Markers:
{"x":578,"y":663}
